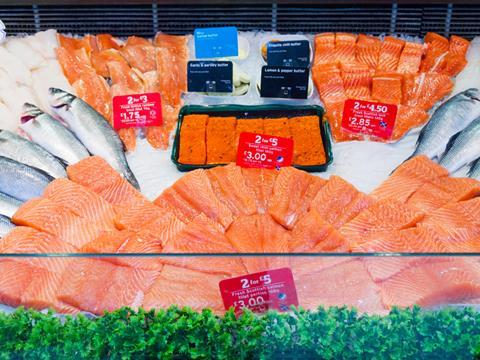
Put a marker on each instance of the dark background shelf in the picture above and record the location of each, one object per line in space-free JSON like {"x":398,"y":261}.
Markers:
{"x":180,"y":17}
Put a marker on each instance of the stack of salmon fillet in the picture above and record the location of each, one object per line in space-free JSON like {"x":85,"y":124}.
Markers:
{"x":394,"y":71}
{"x":230,"y":209}
{"x":214,"y":140}
{"x":101,"y":67}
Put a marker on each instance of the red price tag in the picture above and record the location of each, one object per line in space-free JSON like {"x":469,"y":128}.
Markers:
{"x":264,"y":151}
{"x":137,"y":110}
{"x":369,"y":118}
{"x":259,"y":292}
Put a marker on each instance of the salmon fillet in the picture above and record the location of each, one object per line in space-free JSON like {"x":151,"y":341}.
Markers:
{"x":384,"y":215}
{"x":246,"y":236}
{"x":387,"y":89}
{"x":44,"y":215}
{"x":412,"y":240}
{"x":28,"y":240}
{"x":230,"y":188}
{"x":357,"y":81}
{"x":463,"y":239}
{"x":136,"y":215}
{"x":445,"y":281}
{"x":106,"y":41}
{"x":93,"y":172}
{"x":97,"y":286}
{"x":289,"y":193}
{"x":345,"y":48}
{"x":192,"y":195}
{"x":407,"y":119}
{"x":458,"y":45}
{"x":311,"y":231}
{"x":260,"y":183}
{"x":390,"y":53}
{"x":439,"y":192}
{"x":456,"y":214}
{"x":346,"y":283}
{"x":332,"y":200}
{"x":259,"y":233}
{"x":162,"y":230}
{"x":324,"y":49}
{"x":330,"y":86}
{"x":437,"y":47}
{"x":94,"y":90}
{"x":424,"y":90}
{"x":140,"y":53}
{"x":176,"y":285}
{"x":410,"y":58}
{"x":368,"y":50}
{"x":203,"y":235}
{"x":81,"y":201}
{"x":408,"y":178}
{"x":16,"y":276}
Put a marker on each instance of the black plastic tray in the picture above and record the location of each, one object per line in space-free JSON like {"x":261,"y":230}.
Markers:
{"x":256,"y":111}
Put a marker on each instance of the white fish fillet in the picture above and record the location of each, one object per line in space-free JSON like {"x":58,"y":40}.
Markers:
{"x":6,"y":81}
{"x":7,"y":120}
{"x":470,"y":75}
{"x":15,"y":98}
{"x":20,"y":48}
{"x":15,"y":69}
{"x":44,"y":42}
{"x":46,"y":77}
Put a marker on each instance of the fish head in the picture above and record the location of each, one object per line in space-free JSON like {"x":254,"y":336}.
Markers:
{"x":61,"y":103}
{"x":30,"y":112}
{"x":60,"y":98}
{"x":472,"y":93}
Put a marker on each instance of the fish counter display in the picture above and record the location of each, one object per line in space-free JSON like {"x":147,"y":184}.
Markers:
{"x":228,"y":210}
{"x":73,"y":182}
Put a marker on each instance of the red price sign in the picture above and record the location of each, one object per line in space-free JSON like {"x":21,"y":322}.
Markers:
{"x":137,"y":110}
{"x":264,"y":151}
{"x":369,"y":118}
{"x":259,"y":292}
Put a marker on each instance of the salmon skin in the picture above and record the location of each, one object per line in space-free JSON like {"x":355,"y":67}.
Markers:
{"x":20,"y":181}
{"x":17,"y":148}
{"x":450,"y":118}
{"x":52,"y":135}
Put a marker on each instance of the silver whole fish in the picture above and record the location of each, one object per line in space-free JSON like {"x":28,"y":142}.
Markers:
{"x":8,"y":205}
{"x":52,"y":135}
{"x":5,"y":226}
{"x":474,"y":171}
{"x":451,"y":117}
{"x":463,"y":148}
{"x":22,"y":181}
{"x":15,"y":147}
{"x":92,"y":130}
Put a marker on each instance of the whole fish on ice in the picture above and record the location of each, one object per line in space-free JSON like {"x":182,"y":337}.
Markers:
{"x":8,"y":205}
{"x":52,"y":135}
{"x":450,"y":118}
{"x":463,"y":147}
{"x":21,"y":181}
{"x":20,"y":149}
{"x":92,"y":130}
{"x":5,"y":226}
